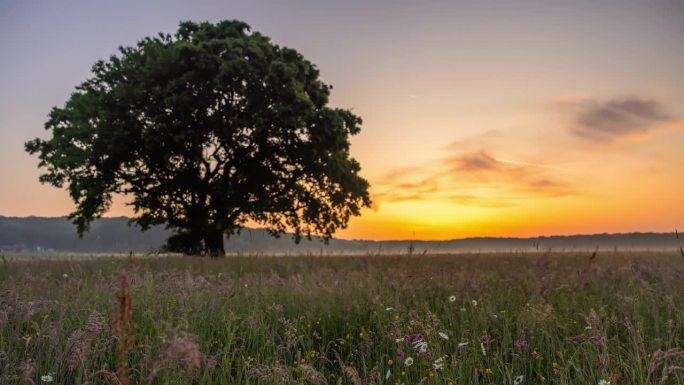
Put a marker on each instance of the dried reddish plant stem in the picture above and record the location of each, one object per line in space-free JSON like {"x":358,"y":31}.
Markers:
{"x":124,"y":329}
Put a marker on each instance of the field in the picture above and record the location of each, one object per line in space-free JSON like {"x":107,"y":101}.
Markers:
{"x":540,"y":318}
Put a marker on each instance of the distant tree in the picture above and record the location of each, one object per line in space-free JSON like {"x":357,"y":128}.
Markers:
{"x":207,"y":130}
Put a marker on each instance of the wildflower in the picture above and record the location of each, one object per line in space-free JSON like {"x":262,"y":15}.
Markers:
{"x":388,"y":374}
{"x":65,"y":275}
{"x":408,"y":361}
{"x":518,"y":380}
{"x":443,"y":335}
{"x":407,"y":338}
{"x":489,"y":371}
{"x":522,"y":344}
{"x":389,"y":308}
{"x":486,"y":339}
{"x":49,"y":377}
{"x":462,"y":344}
{"x":474,"y":302}
{"x":400,"y":355}
{"x":423,"y":353}
{"x":484,"y":352}
{"x":420,"y":345}
{"x":536,"y":355}
{"x":463,"y":310}
{"x":390,"y":362}
{"x":452,"y":298}
{"x":399,"y":340}
{"x":438,"y":364}
{"x":603,"y":382}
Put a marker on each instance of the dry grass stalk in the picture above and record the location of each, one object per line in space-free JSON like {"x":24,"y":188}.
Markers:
{"x":312,"y":376}
{"x":124,"y":329}
{"x":668,"y":371}
{"x":351,"y":373}
{"x":79,"y":341}
{"x":111,"y":377}
{"x":660,"y":358}
{"x":28,"y":369}
{"x":270,"y":375}
{"x":599,"y":337}
{"x":181,"y":350}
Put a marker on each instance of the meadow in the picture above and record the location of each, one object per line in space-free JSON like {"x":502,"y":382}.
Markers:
{"x":516,"y":318}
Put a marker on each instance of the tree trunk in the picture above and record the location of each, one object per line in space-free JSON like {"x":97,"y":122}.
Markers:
{"x":213,"y":244}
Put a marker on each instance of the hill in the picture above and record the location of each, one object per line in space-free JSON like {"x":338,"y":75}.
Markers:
{"x":114,"y":235}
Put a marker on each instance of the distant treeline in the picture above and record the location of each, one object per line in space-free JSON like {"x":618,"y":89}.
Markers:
{"x":114,"y":235}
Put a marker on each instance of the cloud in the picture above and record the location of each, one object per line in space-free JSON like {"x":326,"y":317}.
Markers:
{"x":477,"y":161}
{"x":475,"y":178}
{"x":616,"y":118}
{"x":474,"y":141}
{"x":531,"y":178}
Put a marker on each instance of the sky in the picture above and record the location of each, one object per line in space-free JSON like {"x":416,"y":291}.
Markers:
{"x":480,"y":118}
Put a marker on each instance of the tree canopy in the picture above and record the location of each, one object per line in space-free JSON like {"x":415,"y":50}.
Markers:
{"x":206,"y":130}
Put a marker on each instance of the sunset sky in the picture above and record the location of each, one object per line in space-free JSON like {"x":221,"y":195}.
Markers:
{"x":480,"y":118}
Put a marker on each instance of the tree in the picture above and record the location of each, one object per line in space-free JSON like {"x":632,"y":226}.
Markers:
{"x":206,"y":130}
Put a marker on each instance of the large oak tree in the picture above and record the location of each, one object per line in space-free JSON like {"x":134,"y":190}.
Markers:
{"x":206,"y":130}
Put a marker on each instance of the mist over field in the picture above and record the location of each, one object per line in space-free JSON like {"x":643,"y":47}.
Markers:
{"x":45,"y":236}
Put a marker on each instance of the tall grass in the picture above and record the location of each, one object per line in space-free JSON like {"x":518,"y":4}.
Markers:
{"x":552,"y":318}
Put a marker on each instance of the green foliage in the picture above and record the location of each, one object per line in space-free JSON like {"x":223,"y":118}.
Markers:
{"x":206,"y":130}
{"x":553,"y":319}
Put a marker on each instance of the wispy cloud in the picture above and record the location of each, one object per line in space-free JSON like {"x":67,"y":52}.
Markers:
{"x":474,"y":141}
{"x":474,"y":162}
{"x":475,"y":178}
{"x":607,"y":120}
{"x":530,"y":178}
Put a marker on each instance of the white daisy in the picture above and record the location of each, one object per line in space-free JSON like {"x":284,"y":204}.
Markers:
{"x":484,"y":352}
{"x":408,"y":361}
{"x":452,"y":298}
{"x":389,"y":309}
{"x":443,"y":335}
{"x":462,"y":344}
{"x":474,"y":302}
{"x":603,"y":382}
{"x":48,"y":377}
{"x":388,"y":374}
{"x":438,"y":364}
{"x":518,"y":380}
{"x":420,"y":345}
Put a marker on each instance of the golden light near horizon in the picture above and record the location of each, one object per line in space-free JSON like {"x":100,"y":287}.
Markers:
{"x":478,"y":120}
